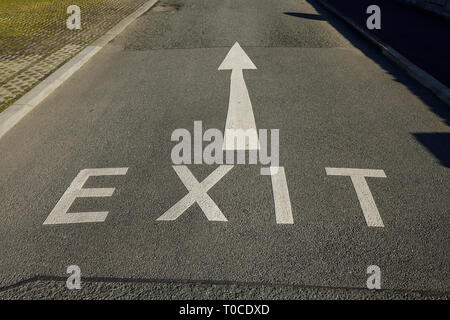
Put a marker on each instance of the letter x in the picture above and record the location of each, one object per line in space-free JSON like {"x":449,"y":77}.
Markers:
{"x":197,"y":193}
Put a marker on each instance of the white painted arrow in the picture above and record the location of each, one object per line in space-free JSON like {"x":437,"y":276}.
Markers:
{"x":240,"y":127}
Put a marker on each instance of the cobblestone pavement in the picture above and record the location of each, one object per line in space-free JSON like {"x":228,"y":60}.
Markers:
{"x":34,"y":39}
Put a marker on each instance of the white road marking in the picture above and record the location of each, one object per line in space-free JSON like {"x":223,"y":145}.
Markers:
{"x":197,"y":193}
{"x":240,"y":113}
{"x":59,"y":214}
{"x":283,"y":210}
{"x":365,"y":197}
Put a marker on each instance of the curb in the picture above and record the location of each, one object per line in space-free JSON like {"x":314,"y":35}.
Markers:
{"x":427,"y":80}
{"x":14,"y":113}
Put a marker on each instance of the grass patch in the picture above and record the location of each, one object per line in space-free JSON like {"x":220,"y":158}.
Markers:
{"x":33,"y":26}
{"x":25,"y":21}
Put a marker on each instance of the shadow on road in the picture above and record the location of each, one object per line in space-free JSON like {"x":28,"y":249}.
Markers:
{"x":305,"y":15}
{"x":367,"y":48}
{"x":436,"y":143}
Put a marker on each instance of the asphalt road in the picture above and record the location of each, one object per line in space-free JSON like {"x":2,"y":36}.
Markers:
{"x":337,"y":102}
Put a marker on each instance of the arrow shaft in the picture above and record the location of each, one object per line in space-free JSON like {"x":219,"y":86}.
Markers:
{"x":240,"y":112}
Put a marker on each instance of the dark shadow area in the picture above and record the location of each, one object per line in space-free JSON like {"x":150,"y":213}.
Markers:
{"x":305,"y":15}
{"x":367,"y":48}
{"x":438,"y":143}
{"x":419,"y":36}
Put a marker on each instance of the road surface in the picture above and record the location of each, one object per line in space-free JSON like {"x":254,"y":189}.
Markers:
{"x":337,"y":102}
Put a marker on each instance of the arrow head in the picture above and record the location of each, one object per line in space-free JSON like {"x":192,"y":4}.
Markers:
{"x":237,"y":59}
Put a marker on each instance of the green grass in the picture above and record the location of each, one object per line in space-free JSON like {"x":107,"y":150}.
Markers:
{"x":26,"y":20}
{"x":38,"y":27}
{"x":26,"y":24}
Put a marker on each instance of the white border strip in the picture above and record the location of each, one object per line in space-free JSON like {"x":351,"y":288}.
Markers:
{"x":14,"y":113}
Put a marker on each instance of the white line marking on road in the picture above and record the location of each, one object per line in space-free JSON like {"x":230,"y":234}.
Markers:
{"x":59,"y":214}
{"x":240,"y":113}
{"x":197,"y":193}
{"x":283,"y":210}
{"x":365,"y":197}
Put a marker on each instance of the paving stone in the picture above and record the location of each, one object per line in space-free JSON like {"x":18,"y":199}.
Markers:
{"x":35,"y":40}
